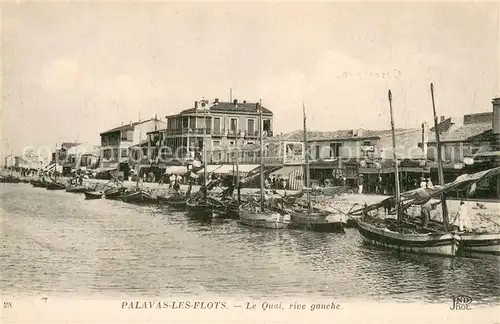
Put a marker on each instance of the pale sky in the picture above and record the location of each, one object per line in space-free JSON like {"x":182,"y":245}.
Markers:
{"x":71,"y":71}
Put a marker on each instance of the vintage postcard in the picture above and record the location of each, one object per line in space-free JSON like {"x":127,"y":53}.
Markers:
{"x":239,"y":162}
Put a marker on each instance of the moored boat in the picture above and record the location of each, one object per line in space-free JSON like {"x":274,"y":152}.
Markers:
{"x":137,"y":196}
{"x":480,"y":245}
{"x":265,"y":219}
{"x":315,"y":220}
{"x":76,"y":189}
{"x":445,"y":244}
{"x":114,"y":193}
{"x":55,"y":186}
{"x":177,"y":201}
{"x":93,"y":194}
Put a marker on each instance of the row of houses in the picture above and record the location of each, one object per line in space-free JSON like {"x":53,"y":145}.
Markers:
{"x":230,"y":131}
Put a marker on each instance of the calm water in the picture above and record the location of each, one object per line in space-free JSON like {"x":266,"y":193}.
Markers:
{"x":58,"y":243}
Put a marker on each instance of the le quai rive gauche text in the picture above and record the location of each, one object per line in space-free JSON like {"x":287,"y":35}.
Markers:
{"x":220,"y":305}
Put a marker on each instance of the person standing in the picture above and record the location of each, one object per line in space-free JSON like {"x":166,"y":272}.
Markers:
{"x":361,"y":182}
{"x":423,"y":183}
{"x":462,"y":218}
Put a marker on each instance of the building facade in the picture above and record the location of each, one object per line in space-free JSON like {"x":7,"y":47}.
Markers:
{"x":116,"y":142}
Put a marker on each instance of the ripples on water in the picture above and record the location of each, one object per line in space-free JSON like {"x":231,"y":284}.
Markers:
{"x":55,"y":242}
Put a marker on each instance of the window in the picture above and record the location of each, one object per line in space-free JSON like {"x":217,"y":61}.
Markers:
{"x":251,"y":126}
{"x":217,"y":125}
{"x":124,"y":135}
{"x":215,"y":143}
{"x":367,"y":143}
{"x":233,"y":124}
{"x":124,"y":153}
{"x":266,"y":124}
{"x":317,"y":151}
{"x":250,"y":142}
{"x":335,"y":149}
{"x":231,"y":142}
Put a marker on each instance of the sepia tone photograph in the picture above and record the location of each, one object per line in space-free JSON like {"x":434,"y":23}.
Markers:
{"x":250,"y":162}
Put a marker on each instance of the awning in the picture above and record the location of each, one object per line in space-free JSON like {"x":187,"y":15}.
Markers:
{"x":176,"y":169}
{"x":245,"y":168}
{"x":100,"y":170}
{"x":212,"y":168}
{"x":285,"y":171}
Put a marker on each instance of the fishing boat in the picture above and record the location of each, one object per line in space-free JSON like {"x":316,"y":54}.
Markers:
{"x":480,"y":245}
{"x":39,"y":184}
{"x":76,"y":189}
{"x":93,"y":195}
{"x":175,"y":201}
{"x":137,"y":196}
{"x":56,"y":186}
{"x":261,"y":216}
{"x":307,"y":217}
{"x":395,"y":234}
{"x":114,"y":193}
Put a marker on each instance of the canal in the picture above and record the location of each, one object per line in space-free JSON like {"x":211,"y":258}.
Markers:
{"x":60,"y":244}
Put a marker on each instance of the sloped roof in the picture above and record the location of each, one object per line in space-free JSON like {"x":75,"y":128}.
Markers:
{"x":339,"y":135}
{"x":68,"y":145}
{"x":129,"y":126}
{"x":462,"y":133}
{"x":229,"y":107}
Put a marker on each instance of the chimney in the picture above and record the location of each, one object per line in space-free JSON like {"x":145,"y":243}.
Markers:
{"x":442,"y":119}
{"x":235,"y":102}
{"x":216,"y":100}
{"x":496,"y":122}
{"x":196,"y":104}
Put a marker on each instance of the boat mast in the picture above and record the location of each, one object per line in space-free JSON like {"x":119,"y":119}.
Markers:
{"x":307,"y":179}
{"x":238,"y":170}
{"x":261,"y":158}
{"x":204,"y":152}
{"x":444,"y":207}
{"x":396,"y":169}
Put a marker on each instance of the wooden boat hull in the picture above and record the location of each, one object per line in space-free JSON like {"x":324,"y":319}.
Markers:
{"x":138,"y":197}
{"x":480,"y":245}
{"x":92,"y":195}
{"x":318,"y":222}
{"x":177,"y":202}
{"x":438,"y":244}
{"x":113,"y":193}
{"x":55,"y":186}
{"x":76,"y":189}
{"x":271,"y":220}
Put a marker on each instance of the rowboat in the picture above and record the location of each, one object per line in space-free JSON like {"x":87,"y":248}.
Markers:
{"x":114,"y":193}
{"x":138,"y":196}
{"x":56,"y":186}
{"x":39,"y":184}
{"x":480,"y":245}
{"x":445,"y":244}
{"x":266,"y":219}
{"x":76,"y":189}
{"x":177,"y":201}
{"x":204,"y":208}
{"x":92,"y":195}
{"x":315,"y":220}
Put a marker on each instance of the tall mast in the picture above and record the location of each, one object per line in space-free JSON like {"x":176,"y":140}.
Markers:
{"x":306,"y":158}
{"x":396,"y":169}
{"x":261,"y":158}
{"x":204,"y":151}
{"x":444,"y":207}
{"x":238,"y":169}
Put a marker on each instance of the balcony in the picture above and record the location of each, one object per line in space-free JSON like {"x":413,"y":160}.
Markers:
{"x":187,"y":131}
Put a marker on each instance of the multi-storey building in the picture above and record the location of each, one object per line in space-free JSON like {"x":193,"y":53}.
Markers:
{"x":115,"y":143}
{"x":225,"y":124}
